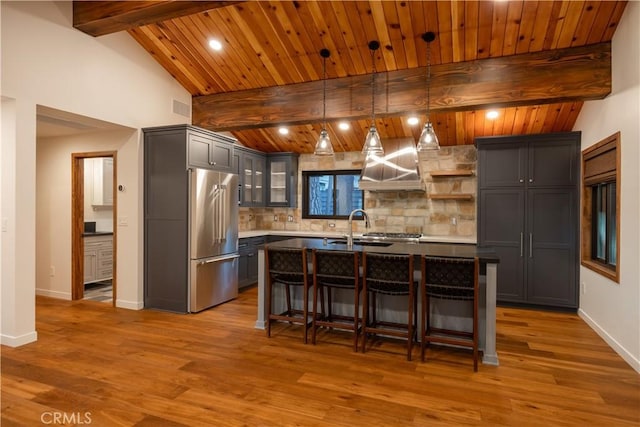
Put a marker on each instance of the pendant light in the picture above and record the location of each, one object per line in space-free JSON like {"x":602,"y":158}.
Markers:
{"x":372,"y":144}
{"x":323,"y":146}
{"x":428,"y":139}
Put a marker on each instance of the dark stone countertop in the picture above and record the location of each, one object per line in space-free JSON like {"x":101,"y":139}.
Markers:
{"x":451,"y":250}
{"x":97,"y":233}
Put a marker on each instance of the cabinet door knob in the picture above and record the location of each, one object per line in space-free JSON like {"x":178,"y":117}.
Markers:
{"x":521,"y":180}
{"x":530,"y":179}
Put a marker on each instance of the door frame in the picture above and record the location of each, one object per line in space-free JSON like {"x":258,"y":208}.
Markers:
{"x":77,"y":221}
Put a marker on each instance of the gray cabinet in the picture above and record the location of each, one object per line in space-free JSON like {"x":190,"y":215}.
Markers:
{"x":248,"y":267}
{"x":528,"y":212}
{"x":250,"y":165}
{"x":168,"y":153}
{"x":209,"y":150}
{"x":282,"y":179}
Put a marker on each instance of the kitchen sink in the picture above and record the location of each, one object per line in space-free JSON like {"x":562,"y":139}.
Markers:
{"x":360,"y":243}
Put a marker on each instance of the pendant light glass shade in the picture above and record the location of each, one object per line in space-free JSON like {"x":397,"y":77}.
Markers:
{"x":372,"y":143}
{"x":323,"y":145}
{"x":428,"y":139}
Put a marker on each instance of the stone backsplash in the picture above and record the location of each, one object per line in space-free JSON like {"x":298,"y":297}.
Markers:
{"x":396,"y":211}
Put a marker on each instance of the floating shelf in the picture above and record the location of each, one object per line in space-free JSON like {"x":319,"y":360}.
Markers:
{"x":456,"y":172}
{"x":461,"y":196}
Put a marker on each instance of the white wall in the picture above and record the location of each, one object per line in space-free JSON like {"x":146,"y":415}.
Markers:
{"x":53,"y":212}
{"x":47,"y":62}
{"x":612,"y":309}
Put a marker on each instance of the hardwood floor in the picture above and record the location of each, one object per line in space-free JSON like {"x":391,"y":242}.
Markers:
{"x":117,"y":367}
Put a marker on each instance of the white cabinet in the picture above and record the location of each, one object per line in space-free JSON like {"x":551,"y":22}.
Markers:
{"x":102,"y":181}
{"x":98,"y":258}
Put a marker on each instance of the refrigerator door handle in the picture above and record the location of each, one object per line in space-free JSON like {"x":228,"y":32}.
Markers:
{"x":223,"y":195}
{"x":225,"y":258}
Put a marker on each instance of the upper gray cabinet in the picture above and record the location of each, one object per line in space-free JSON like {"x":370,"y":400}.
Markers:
{"x":209,"y":150}
{"x":508,"y":161}
{"x":282,"y":179}
{"x":250,"y":165}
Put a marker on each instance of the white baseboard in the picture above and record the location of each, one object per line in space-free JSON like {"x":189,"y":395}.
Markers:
{"x":130,"y":305}
{"x":615,"y":345}
{"x":12,"y":341}
{"x":53,"y":294}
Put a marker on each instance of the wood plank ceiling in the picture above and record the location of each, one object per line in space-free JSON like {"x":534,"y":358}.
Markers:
{"x":269,"y":44}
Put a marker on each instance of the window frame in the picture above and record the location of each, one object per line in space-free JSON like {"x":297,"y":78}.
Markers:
{"x":601,"y":168}
{"x":334,"y":174}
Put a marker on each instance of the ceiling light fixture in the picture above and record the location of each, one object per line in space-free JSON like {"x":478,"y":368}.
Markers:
{"x":492,"y":114}
{"x":372,"y":144}
{"x":283,"y":131}
{"x":323,"y":146}
{"x":428,"y":139}
{"x":343,"y":126}
{"x":215,"y":44}
{"x":412,"y":121}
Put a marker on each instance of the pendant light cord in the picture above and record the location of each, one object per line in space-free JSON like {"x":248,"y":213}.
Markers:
{"x":373,"y":88}
{"x":324,"y":93}
{"x":428,"y":81}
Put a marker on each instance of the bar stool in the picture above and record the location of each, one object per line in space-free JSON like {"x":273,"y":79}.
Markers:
{"x":451,"y":279}
{"x":336,"y":270}
{"x":288,"y":267}
{"x":391,"y":275}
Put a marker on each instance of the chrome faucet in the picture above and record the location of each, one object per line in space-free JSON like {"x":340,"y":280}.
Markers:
{"x":366,"y":224}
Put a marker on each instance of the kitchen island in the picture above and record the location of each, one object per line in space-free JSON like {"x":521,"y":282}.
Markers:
{"x":445,"y":313}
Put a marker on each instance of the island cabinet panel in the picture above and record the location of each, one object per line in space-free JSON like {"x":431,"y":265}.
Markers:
{"x":528,"y":212}
{"x":248,"y":266}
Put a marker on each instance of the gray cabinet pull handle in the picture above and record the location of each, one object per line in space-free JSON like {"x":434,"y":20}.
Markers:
{"x":530,"y":245}
{"x":521,"y":244}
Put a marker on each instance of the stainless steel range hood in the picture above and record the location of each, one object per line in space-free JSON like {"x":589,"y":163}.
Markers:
{"x":397,"y":170}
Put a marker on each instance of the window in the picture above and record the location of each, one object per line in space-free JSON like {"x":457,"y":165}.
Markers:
{"x":601,"y":207}
{"x":331,"y":194}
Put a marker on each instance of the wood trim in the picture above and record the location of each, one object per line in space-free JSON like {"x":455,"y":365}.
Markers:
{"x":586,"y":222}
{"x":77,"y":221}
{"x":461,"y":196}
{"x":545,"y":77}
{"x":77,"y":227}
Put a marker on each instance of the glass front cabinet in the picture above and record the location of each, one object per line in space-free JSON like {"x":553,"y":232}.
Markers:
{"x":282,"y":182}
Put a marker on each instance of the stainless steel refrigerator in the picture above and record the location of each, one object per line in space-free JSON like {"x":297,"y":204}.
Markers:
{"x":213,"y":238}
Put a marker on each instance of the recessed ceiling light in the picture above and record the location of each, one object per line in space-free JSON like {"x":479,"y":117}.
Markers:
{"x":413,"y":121}
{"x":215,"y":44}
{"x":283,"y":131}
{"x":343,"y":126}
{"x":492,"y":114}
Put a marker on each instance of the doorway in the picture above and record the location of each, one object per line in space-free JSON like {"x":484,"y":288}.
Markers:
{"x":93,"y":233}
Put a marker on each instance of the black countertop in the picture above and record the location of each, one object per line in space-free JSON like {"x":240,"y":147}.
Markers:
{"x":97,"y":233}
{"x":451,"y":250}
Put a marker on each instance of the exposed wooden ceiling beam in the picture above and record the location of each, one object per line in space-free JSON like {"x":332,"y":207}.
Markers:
{"x":98,"y":18}
{"x":562,"y":75}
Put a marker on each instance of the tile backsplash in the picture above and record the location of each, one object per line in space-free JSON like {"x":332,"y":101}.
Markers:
{"x":394,"y":211}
